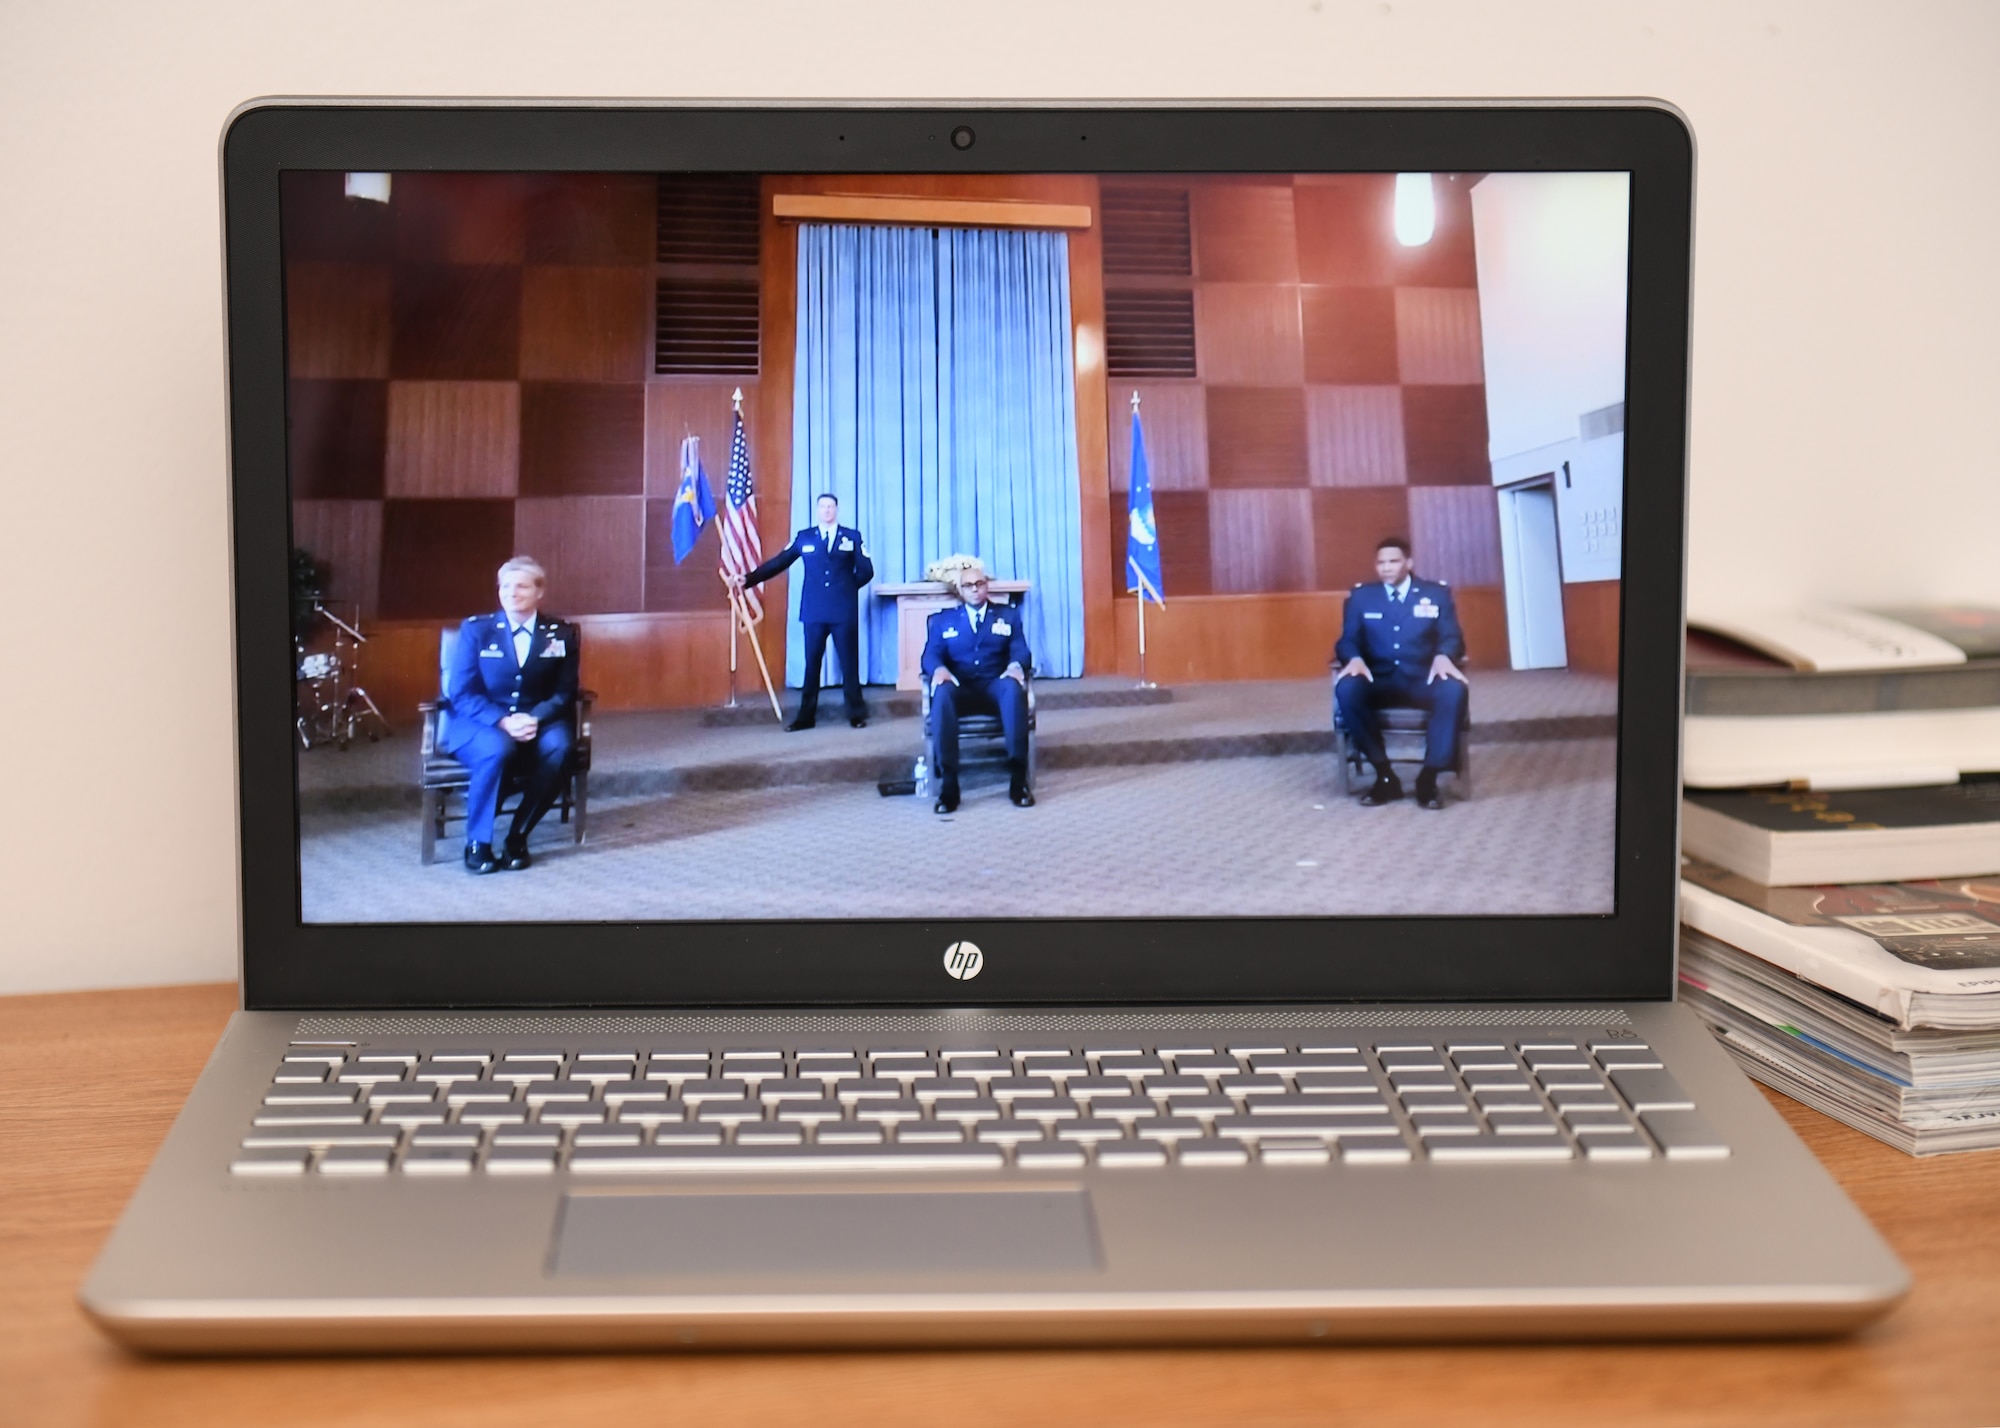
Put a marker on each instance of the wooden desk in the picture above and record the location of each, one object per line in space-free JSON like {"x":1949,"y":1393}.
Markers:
{"x":90,"y":1081}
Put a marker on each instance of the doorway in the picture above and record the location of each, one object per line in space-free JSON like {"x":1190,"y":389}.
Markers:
{"x":1531,"y":557}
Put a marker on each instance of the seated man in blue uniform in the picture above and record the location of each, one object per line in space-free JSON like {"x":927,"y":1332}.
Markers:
{"x":1399,"y":645}
{"x":976,"y":661}
{"x":510,"y":687}
{"x":837,"y":566}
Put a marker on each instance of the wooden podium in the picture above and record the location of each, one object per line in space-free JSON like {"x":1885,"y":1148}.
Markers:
{"x":916,"y":601}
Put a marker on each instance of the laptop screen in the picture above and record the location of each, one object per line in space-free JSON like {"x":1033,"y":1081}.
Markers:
{"x":714,"y":546}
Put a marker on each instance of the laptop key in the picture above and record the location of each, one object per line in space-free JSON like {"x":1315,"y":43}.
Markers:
{"x":1211,"y":1154}
{"x":437,"y":1160}
{"x":309,"y":1116}
{"x":355,"y":1160}
{"x":271,"y":1162}
{"x":1050,"y":1157}
{"x":1131,"y":1157}
{"x":1293,"y":1152}
{"x":1601,"y":1145}
{"x":1498,"y":1148}
{"x":523,"y":1160}
{"x":320,"y":1095}
{"x":1684,"y":1135}
{"x":1651,"y":1090}
{"x":292,"y":1137}
{"x":1014,"y":1132}
{"x":813,"y":1159}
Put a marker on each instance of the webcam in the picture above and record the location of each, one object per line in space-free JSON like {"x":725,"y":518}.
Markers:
{"x":962,"y":137}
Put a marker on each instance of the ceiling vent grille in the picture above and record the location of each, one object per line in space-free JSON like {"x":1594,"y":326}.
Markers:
{"x":1146,"y":231}
{"x":705,"y":329}
{"x":709,"y":219}
{"x":1149,"y":332}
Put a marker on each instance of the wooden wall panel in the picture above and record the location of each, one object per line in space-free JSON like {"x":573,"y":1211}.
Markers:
{"x":1347,"y":233}
{"x":1482,"y":618}
{"x":583,"y":438}
{"x":460,"y":217}
{"x":586,"y":324}
{"x":1256,"y":437}
{"x":453,"y":439}
{"x":1181,"y":520}
{"x":1457,"y":533}
{"x":701,"y":407}
{"x":1349,"y":336}
{"x":1175,"y":415}
{"x":1205,"y":639}
{"x":1437,"y":336}
{"x":1244,"y":231}
{"x":337,"y":319}
{"x":694,"y":584}
{"x":456,"y":322}
{"x":1247,"y":334}
{"x":591,"y":218}
{"x":1355,"y":436}
{"x":631,"y":661}
{"x":1444,"y":435}
{"x":1261,"y":541}
{"x":592,"y":548}
{"x":345,"y":538}
{"x":337,"y":438}
{"x":440,"y":559}
{"x":1591,"y":625}
{"x":1347,"y":524}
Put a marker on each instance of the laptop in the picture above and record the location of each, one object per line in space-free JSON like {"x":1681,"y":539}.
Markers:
{"x":1234,"y":895}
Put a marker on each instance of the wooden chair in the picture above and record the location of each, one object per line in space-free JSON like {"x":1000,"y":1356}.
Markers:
{"x":439,"y":775}
{"x":1405,"y":733}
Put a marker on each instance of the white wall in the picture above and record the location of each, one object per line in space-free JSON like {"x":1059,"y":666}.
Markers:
{"x":1847,"y":301}
{"x":1552,"y":255}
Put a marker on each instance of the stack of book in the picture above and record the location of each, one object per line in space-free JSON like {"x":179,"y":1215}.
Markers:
{"x":1841,"y":930}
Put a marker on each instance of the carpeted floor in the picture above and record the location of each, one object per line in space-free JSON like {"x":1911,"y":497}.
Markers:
{"x":1221,"y":800}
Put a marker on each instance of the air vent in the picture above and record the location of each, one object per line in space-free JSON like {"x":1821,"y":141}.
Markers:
{"x":1146,"y":231}
{"x":705,"y":329}
{"x":1149,"y":332}
{"x":709,"y":218}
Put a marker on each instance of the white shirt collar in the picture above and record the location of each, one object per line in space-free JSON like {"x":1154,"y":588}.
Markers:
{"x":1399,"y":590}
{"x":512,"y":624}
{"x":826,"y":533}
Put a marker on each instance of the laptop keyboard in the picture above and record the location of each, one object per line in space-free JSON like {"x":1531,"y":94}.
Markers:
{"x":351,"y":1108}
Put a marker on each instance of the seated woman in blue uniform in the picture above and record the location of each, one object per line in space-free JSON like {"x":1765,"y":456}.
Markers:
{"x":510,"y":687}
{"x":976,"y":661}
{"x":1400,"y":645}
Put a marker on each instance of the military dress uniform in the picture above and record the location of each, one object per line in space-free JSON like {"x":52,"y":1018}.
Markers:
{"x":829,"y":606}
{"x":1398,"y":633}
{"x":977,"y":644}
{"x":488,"y":678}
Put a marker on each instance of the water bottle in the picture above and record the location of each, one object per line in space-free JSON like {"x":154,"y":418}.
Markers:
{"x":923,"y":772}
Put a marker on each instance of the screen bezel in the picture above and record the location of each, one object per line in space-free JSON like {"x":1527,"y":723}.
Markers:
{"x":1625,"y":955}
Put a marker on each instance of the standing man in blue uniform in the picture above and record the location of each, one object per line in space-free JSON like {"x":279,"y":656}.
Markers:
{"x":837,"y":566}
{"x":976,"y":661}
{"x":509,"y":688}
{"x":1399,"y":645}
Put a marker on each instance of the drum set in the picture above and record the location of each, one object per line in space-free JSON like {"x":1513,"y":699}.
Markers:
{"x":331,"y":707}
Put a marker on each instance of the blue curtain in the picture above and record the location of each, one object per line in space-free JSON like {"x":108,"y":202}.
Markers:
{"x":935,"y":395}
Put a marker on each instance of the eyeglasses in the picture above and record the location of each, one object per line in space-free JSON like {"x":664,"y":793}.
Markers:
{"x":973,"y":584}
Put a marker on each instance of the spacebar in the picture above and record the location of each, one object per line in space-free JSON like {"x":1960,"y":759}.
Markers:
{"x":780,"y":1159}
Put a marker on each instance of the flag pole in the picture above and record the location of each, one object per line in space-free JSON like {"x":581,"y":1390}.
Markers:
{"x":736,"y":605}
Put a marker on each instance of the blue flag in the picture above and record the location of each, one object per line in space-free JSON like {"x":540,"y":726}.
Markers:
{"x":1142,"y":535}
{"x":694,"y":503}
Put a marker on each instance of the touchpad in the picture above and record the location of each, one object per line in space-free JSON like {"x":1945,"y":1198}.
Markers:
{"x":914,"y":1232}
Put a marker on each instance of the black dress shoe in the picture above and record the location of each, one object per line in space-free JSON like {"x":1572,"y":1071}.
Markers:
{"x":947,"y":797}
{"x":1023,"y":796}
{"x":859,"y":721}
{"x":514,"y":857}
{"x":797,"y":724}
{"x":1427,"y":791}
{"x":1388,"y":789}
{"x":479,"y":858}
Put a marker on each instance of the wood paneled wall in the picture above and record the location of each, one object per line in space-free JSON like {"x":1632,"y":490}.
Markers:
{"x":1591,"y":625}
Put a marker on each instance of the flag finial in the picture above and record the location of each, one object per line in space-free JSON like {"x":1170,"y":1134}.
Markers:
{"x":1135,"y":399}
{"x":737,"y":397}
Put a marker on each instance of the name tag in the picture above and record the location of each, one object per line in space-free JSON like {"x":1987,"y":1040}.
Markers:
{"x":847,"y":545}
{"x":807,"y":549}
{"x":1001,"y":627}
{"x":1371,"y":614}
{"x":490,"y":653}
{"x":555,"y":649}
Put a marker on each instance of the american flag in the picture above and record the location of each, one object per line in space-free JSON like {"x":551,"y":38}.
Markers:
{"x":742,"y":550}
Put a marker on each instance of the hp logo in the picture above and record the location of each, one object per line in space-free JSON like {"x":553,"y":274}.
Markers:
{"x":963,"y":960}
